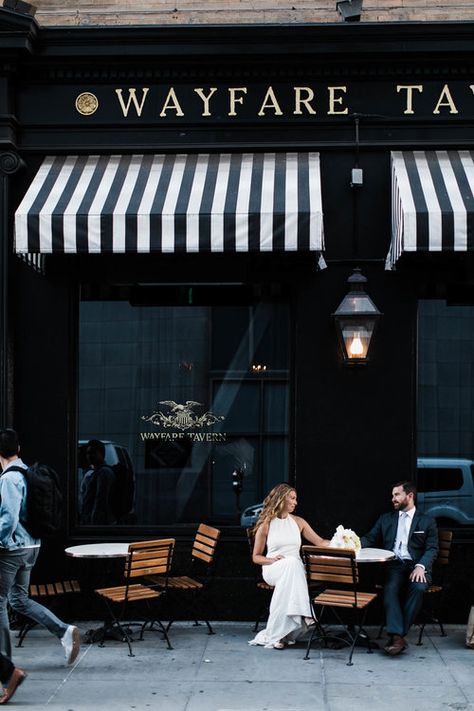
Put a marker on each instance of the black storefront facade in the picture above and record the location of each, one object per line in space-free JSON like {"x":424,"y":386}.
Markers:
{"x":181,"y":209}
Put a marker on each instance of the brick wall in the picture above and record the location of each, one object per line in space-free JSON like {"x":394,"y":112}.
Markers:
{"x":182,"y":12}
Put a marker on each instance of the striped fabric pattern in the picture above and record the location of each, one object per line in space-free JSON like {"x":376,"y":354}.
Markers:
{"x":432,"y":202}
{"x":261,"y":202}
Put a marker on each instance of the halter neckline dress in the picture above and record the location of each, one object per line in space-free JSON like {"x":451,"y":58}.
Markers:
{"x":290,"y":599}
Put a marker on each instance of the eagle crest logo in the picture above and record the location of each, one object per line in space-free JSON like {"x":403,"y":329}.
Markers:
{"x":182,"y":417}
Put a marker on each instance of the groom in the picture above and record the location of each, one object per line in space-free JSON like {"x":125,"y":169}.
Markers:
{"x":413,"y":537}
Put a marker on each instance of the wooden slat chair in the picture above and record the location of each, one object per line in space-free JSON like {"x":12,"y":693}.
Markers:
{"x":144,"y":559}
{"x":49,"y":594}
{"x":264,"y":589}
{"x":432,"y":598}
{"x":337,"y":567}
{"x":429,"y":613}
{"x":202,"y":557}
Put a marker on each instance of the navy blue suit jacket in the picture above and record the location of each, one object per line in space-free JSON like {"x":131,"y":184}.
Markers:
{"x":422,"y":539}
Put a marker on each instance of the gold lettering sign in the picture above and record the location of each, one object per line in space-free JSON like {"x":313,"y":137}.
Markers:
{"x":270,"y":102}
{"x":182,"y":417}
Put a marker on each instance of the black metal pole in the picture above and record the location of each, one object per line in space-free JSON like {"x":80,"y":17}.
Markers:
{"x":10,"y":163}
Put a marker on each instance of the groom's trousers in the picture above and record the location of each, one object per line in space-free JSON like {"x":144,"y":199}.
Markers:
{"x":402,"y":597}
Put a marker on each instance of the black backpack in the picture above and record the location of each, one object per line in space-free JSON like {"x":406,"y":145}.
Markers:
{"x":43,"y":499}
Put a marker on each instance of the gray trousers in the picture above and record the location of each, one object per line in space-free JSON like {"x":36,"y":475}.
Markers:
{"x":15,"y":572}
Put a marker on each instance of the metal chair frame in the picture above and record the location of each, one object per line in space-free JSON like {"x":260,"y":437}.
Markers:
{"x":202,"y":555}
{"x":264,"y":589}
{"x":144,"y":559}
{"x":337,"y":566}
{"x":428,"y":614}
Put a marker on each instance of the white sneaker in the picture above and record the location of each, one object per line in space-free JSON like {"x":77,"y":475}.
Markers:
{"x":71,"y":641}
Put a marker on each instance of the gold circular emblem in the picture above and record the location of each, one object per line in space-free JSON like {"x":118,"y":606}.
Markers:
{"x":87,"y":103}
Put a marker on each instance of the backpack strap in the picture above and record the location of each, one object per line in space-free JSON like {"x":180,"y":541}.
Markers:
{"x":22,"y":470}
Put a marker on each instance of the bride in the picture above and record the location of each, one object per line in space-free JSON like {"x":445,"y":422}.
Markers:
{"x":280,"y":532}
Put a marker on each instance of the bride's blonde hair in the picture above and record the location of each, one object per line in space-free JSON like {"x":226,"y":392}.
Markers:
{"x":273,"y":504}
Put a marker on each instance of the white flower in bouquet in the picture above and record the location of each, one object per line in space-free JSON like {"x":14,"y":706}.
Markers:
{"x":345,"y":538}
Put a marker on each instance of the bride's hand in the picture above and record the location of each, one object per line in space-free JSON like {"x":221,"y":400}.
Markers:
{"x":277,"y":557}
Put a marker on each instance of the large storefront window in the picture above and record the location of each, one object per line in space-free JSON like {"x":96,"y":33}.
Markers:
{"x":445,"y":472}
{"x":180,"y":397}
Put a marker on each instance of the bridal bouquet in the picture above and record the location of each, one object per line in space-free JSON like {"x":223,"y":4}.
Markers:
{"x":345,"y":538}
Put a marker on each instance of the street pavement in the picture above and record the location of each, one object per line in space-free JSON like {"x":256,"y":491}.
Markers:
{"x":222,"y":673}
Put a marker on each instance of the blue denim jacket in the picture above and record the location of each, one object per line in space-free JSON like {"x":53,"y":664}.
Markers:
{"x":13,"y":509}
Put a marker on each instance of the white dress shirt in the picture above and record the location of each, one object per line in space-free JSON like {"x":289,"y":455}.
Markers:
{"x":405,"y":519}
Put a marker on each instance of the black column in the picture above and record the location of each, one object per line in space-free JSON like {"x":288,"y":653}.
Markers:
{"x":10,"y":163}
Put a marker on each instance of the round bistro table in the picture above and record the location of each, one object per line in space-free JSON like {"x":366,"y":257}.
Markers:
{"x":374,"y":555}
{"x":96,"y":551}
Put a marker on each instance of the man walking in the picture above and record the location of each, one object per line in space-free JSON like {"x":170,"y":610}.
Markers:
{"x":18,"y":554}
{"x":11,"y":677}
{"x":413,"y":537}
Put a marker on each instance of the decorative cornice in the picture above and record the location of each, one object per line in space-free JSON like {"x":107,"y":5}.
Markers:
{"x":168,"y":71}
{"x":10,"y":163}
{"x":18,"y":33}
{"x":341,"y":40}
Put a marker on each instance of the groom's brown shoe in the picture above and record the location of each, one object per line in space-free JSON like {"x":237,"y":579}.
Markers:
{"x":396,"y":646}
{"x":16,"y":679}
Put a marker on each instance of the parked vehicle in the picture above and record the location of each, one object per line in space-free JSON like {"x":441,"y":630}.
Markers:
{"x":446,"y":490}
{"x":250,"y":515}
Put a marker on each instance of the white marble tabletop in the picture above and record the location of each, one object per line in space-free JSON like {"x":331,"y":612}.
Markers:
{"x":374,"y":555}
{"x":98,"y":550}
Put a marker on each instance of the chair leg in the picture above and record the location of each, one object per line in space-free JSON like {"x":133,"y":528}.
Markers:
{"x":359,"y":633}
{"x":163,"y":630}
{"x":26,"y":627}
{"x":152,"y":621}
{"x":191,"y":607}
{"x":434,"y":621}
{"x":211,"y":631}
{"x":317,"y":627}
{"x":263,"y":610}
{"x":308,"y":647}
{"x":116,"y":623}
{"x":350,"y":662}
{"x":441,"y":629}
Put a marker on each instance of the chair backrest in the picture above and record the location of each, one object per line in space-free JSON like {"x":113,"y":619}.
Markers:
{"x":331,"y":565}
{"x":149,"y":558}
{"x":445,"y":539}
{"x":205,"y":542}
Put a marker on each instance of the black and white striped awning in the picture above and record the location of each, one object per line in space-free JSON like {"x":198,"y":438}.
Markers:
{"x":172,"y":203}
{"x":432,"y":202}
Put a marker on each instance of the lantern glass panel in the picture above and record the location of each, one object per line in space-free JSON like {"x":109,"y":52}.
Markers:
{"x":356,"y":336}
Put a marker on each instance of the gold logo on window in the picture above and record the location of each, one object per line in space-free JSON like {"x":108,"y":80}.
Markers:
{"x":182,"y":417}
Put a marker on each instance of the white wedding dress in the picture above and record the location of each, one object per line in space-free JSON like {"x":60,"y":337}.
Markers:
{"x":290,"y":599}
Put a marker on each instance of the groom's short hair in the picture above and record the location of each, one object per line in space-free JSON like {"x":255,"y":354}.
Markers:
{"x":409,"y":487}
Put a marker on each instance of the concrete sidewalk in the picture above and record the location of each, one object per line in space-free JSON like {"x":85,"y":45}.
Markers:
{"x":222,"y":673}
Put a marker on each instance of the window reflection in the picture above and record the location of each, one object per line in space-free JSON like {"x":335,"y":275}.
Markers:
{"x":172,"y":390}
{"x":445,"y":412}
